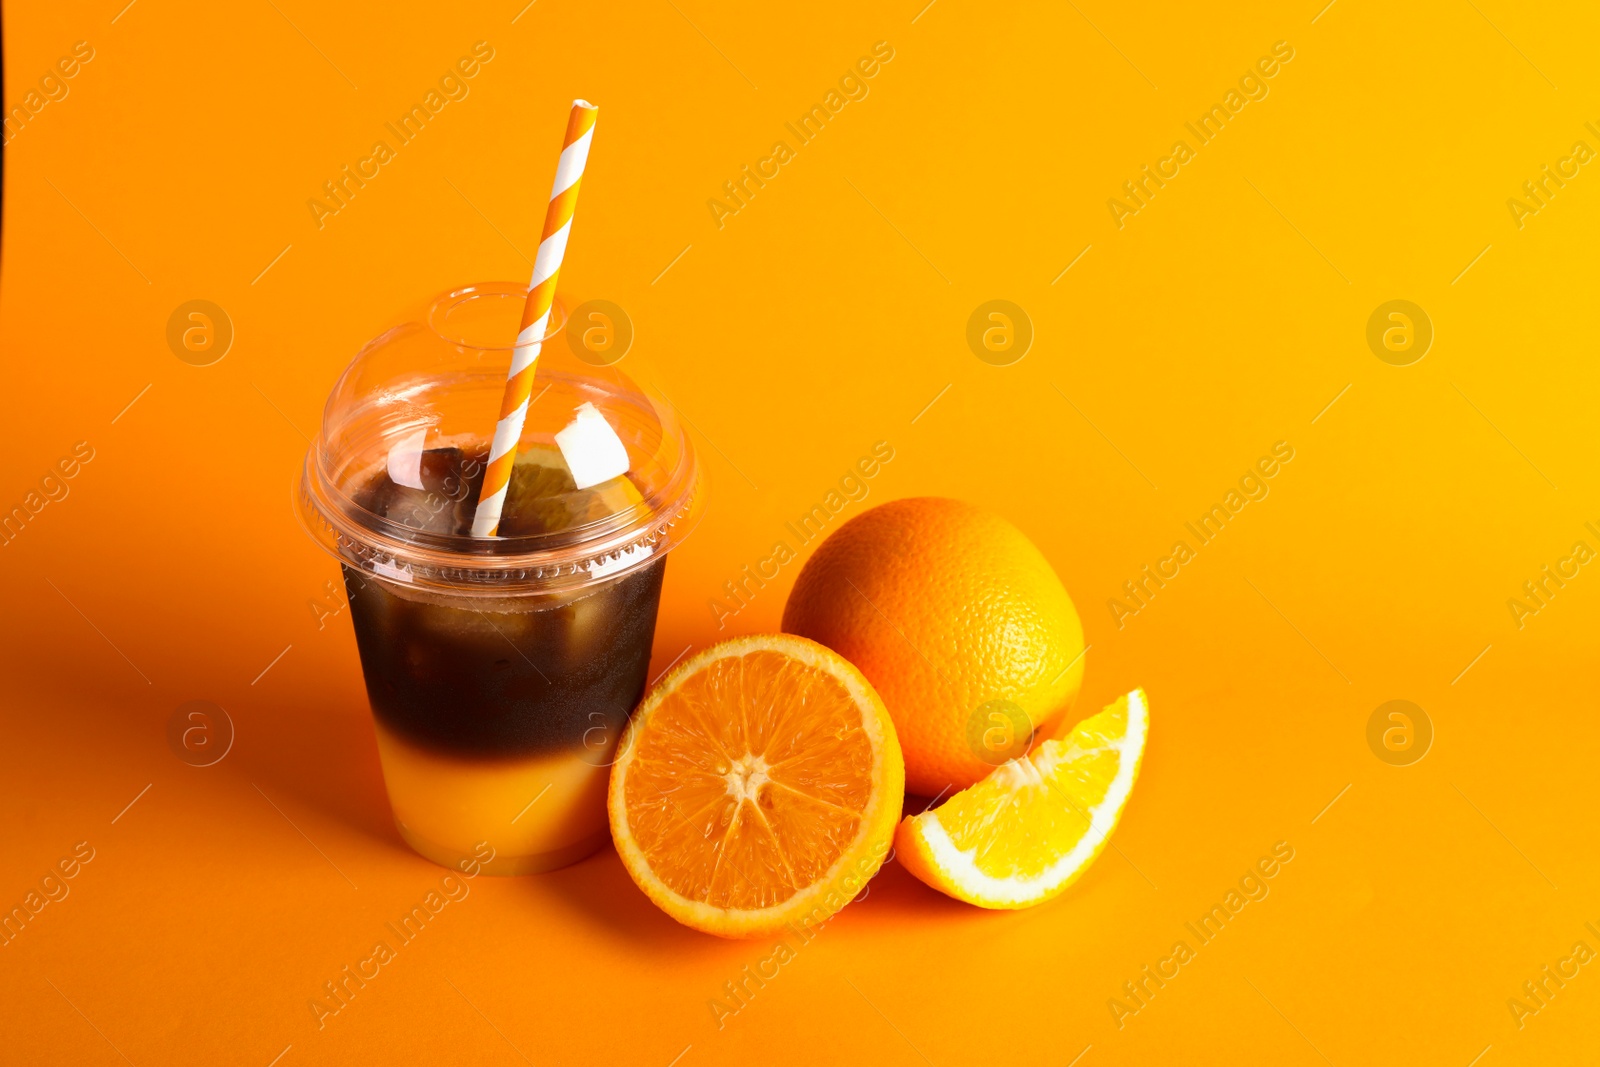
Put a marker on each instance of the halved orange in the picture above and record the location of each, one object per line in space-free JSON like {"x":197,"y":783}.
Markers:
{"x":757,"y":785}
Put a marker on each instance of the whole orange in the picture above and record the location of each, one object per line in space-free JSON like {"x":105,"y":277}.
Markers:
{"x":957,"y":620}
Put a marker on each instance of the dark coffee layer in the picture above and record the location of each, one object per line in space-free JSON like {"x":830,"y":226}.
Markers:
{"x":490,"y":684}
{"x":451,"y":676}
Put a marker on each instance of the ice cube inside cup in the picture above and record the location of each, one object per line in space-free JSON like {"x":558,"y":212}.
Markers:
{"x":592,"y":449}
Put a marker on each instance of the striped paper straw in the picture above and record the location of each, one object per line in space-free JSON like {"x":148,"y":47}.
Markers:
{"x":535,"y":318}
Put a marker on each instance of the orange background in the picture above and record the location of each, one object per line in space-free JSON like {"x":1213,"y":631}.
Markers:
{"x":825,"y":316}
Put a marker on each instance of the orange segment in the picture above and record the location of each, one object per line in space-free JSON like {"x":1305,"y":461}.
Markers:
{"x":758,"y":785}
{"x":1035,"y":824}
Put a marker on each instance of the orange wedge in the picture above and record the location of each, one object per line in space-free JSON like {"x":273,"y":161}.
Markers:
{"x":1028,"y":830}
{"x":758,"y":786}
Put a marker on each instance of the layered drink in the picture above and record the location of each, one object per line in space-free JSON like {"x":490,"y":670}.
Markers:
{"x":500,"y":670}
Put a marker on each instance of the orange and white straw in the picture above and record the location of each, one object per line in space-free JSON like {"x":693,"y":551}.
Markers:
{"x":535,"y":318}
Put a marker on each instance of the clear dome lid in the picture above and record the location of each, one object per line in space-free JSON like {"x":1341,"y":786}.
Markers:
{"x":605,"y":479}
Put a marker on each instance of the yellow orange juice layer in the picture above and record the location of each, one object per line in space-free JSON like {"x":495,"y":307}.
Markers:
{"x":538,"y":812}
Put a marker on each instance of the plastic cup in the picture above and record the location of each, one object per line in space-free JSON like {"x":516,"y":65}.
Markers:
{"x":500,"y":671}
